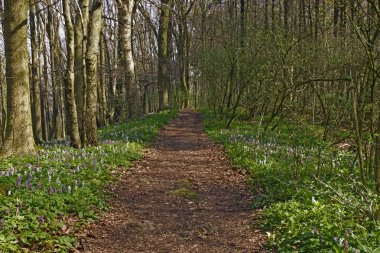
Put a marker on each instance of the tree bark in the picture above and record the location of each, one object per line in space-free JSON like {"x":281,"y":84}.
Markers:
{"x":19,"y":131}
{"x":163,"y":61}
{"x":125,"y":15}
{"x":71,"y":111}
{"x":56,"y":131}
{"x":94,"y":31}
{"x":37,"y":116}
{"x":377,"y":156}
{"x":102,"y":86}
{"x":80,"y":41}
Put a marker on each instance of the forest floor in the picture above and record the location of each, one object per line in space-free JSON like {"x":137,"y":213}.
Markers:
{"x":183,"y":196}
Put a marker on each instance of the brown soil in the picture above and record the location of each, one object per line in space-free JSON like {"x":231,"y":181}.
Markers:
{"x":184,"y":196}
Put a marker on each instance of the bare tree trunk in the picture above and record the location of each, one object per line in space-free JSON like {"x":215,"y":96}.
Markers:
{"x":286,"y":16}
{"x":119,"y":63}
{"x":71,"y":112}
{"x":183,"y":47}
{"x":163,"y":75}
{"x":3,"y":105}
{"x":266,"y":22}
{"x":19,"y":131}
{"x":377,"y":157}
{"x":56,"y":131}
{"x":2,"y":86}
{"x":102,"y":86}
{"x":44,"y":98}
{"x":95,"y":28}
{"x":41,"y":28}
{"x":112,"y":79}
{"x":125,"y":15}
{"x":80,"y":41}
{"x":113,"y":82}
{"x":37,"y":116}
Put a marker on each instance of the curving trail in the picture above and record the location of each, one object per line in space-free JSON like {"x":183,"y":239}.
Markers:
{"x":184,"y":196}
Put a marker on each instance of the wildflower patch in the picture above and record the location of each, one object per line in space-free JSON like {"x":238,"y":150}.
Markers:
{"x":45,"y":198}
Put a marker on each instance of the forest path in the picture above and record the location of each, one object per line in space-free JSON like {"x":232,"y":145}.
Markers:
{"x":184,"y":196}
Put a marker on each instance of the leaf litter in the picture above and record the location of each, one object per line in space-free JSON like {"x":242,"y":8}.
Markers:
{"x":183,"y":196}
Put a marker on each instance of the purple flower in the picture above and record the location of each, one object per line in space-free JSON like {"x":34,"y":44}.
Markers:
{"x":26,"y":185}
{"x":7,"y":211}
{"x":51,"y":190}
{"x":39,"y":186}
{"x":19,"y":179}
{"x":346,"y":245}
{"x":41,"y":219}
{"x":2,"y":221}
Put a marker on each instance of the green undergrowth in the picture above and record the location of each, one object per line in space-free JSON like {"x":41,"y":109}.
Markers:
{"x":45,"y":198}
{"x":312,"y":198}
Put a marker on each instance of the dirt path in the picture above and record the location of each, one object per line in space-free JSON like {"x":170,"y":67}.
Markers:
{"x":182,"y":197}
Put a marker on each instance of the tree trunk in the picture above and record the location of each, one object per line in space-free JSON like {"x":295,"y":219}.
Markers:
{"x":37,"y":116}
{"x":3,"y":95}
{"x":377,"y":156}
{"x":71,"y":111}
{"x":102,"y":87}
{"x":119,"y":78}
{"x":163,"y":75}
{"x":19,"y":131}
{"x":80,"y":41}
{"x":56,"y":131}
{"x":95,"y":28}
{"x":3,"y":104}
{"x":286,"y":16}
{"x":125,"y":15}
{"x":266,"y":22}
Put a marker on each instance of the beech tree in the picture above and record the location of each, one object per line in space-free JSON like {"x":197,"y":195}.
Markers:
{"x":19,"y":132}
{"x":125,"y":16}
{"x":71,"y":111}
{"x":80,"y":44}
{"x":163,"y":61}
{"x":92,"y":54}
{"x":36,"y":93}
{"x":56,"y":117}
